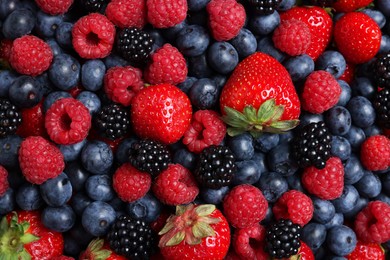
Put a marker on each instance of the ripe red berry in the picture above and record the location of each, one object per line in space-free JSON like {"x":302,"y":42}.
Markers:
{"x":248,"y":241}
{"x":124,"y":14}
{"x":367,"y":251}
{"x":54,"y":7}
{"x":4,"y":185}
{"x":167,"y":13}
{"x":33,"y":121}
{"x":375,"y":153}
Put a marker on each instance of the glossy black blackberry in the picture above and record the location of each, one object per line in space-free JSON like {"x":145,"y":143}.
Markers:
{"x":112,"y":121}
{"x":283,"y":239}
{"x":382,"y":107}
{"x":216,"y":167}
{"x":323,"y":3}
{"x":381,"y":69}
{"x":93,"y":6}
{"x":131,"y":238}
{"x":134,"y":45}
{"x":264,"y":6}
{"x":312,"y":145}
{"x":10,"y":118}
{"x":150,"y":156}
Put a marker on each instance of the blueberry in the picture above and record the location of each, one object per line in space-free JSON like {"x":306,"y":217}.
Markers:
{"x":361,"y":203}
{"x":15,"y":178}
{"x":9,"y":147}
{"x":363,"y":86}
{"x":64,"y":71}
{"x":7,"y":77}
{"x":286,"y":137}
{"x":192,"y":40}
{"x":97,"y":157}
{"x":337,"y":220}
{"x":187,"y":84}
{"x":347,"y":200}
{"x":90,"y":101}
{"x":340,"y":147}
{"x":353,"y":170}
{"x":346,"y":93}
{"x":92,"y":74}
{"x":18,"y":23}
{"x":7,"y":7}
{"x":158,"y":38}
{"x":286,"y":5}
{"x":45,"y":82}
{"x":72,"y":246}
{"x":53,"y":97}
{"x":79,"y":202}
{"x":245,"y":43}
{"x":369,"y":185}
{"x":381,"y":197}
{"x":264,"y":24}
{"x":376,"y":15}
{"x":28,"y":197}
{"x":117,"y":204}
{"x":63,"y":35}
{"x":385,"y":178}
{"x":266,"y":142}
{"x":295,"y":183}
{"x":269,"y":216}
{"x":99,"y":187}
{"x":79,"y":233}
{"x":338,"y":120}
{"x":219,"y":80}
{"x":171,"y":32}
{"x":384,"y":7}
{"x":47,"y":24}
{"x":332,"y":62}
{"x":372,"y":130}
{"x":307,"y":118}
{"x":57,"y":191}
{"x":123,"y":151}
{"x":199,"y":67}
{"x":54,"y":46}
{"x":59,"y":219}
{"x":222,"y":57}
{"x":314,"y":235}
{"x":266,"y":46}
{"x":114,"y":60}
{"x":71,"y":152}
{"x":299,"y":67}
{"x":362,"y":111}
{"x":261,"y":160}
{"x":77,"y":175}
{"x":25,"y":92}
{"x":341,"y":240}
{"x":184,"y":157}
{"x":247,"y":172}
{"x":242,"y":146}
{"x":147,"y":208}
{"x":197,"y":5}
{"x":324,"y":210}
{"x":272,"y":185}
{"x":385,"y":44}
{"x":213,"y":196}
{"x":98,"y":217}
{"x":355,"y":137}
{"x":204,"y":94}
{"x":7,"y":202}
{"x":280,"y":160}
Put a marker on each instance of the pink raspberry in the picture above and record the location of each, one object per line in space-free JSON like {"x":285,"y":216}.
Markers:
{"x":122,"y":83}
{"x":226,"y":18}
{"x":167,"y":66}
{"x":247,"y":241}
{"x":54,"y":7}
{"x":128,"y":13}
{"x":30,"y":55}
{"x":375,"y":153}
{"x":93,"y":36}
{"x":294,"y":205}
{"x":244,"y":206}
{"x":166,"y":13}
{"x":4,"y":185}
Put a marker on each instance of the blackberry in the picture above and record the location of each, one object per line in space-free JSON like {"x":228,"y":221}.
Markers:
{"x":216,"y":167}
{"x":134,"y":45}
{"x":381,"y":69}
{"x":131,"y":238}
{"x":323,"y":3}
{"x":10,"y":118}
{"x":264,"y":7}
{"x":312,"y":145}
{"x":149,"y":156}
{"x":93,"y":6}
{"x":382,"y":107}
{"x":283,"y":239}
{"x":112,"y":121}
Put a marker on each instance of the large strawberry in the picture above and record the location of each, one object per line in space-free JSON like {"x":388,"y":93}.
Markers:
{"x":23,"y":236}
{"x":259,"y":97}
{"x":97,"y":250}
{"x":198,"y":232}
{"x":345,"y":6}
{"x":367,"y":251}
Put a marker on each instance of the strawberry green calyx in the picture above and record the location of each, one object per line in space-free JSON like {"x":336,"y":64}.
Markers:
{"x":96,"y":251}
{"x":190,"y":224}
{"x":266,"y":119}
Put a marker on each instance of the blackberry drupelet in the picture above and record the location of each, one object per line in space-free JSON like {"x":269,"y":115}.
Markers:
{"x":264,"y":7}
{"x":134,"y":45}
{"x":93,"y":6}
{"x":323,"y":3}
{"x":150,"y":156}
{"x":381,"y":69}
{"x":312,"y":145}
{"x":131,"y":238}
{"x":112,"y":121}
{"x":216,"y":167}
{"x":283,"y":239}
{"x":10,"y":118}
{"x":382,"y":107}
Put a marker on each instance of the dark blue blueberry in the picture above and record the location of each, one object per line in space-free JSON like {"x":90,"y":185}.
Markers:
{"x":338,"y":120}
{"x":184,"y":157}
{"x":114,"y":60}
{"x":376,"y":15}
{"x":385,"y":44}
{"x":99,"y":187}
{"x":314,"y":235}
{"x":307,"y":118}
{"x":98,"y":217}
{"x":9,"y":147}
{"x":361,"y":203}
{"x":53,"y":97}
{"x":71,"y":152}
{"x":222,"y":57}
{"x":347,"y":200}
{"x":264,"y":24}
{"x":97,"y":157}
{"x":46,"y":24}
{"x":219,"y":80}
{"x":382,"y":197}
{"x":269,"y":216}
{"x":363,"y":86}
{"x":57,"y":191}
{"x":295,"y":183}
{"x":192,"y":40}
{"x":332,"y":62}
{"x":171,"y":32}
{"x":245,"y":43}
{"x":353,"y":170}
{"x":280,"y":160}
{"x":72,"y":246}
{"x":384,"y":7}
{"x":355,"y":137}
{"x":18,"y":23}
{"x":362,"y":111}
{"x":7,"y":77}
{"x":337,"y":220}
{"x":372,"y":130}
{"x":242,"y":146}
{"x":30,"y":5}
{"x":7,"y":7}
{"x":77,"y":175}
{"x":157,"y":37}
{"x":266,"y":45}
{"x":299,"y":67}
{"x":45,"y":82}
{"x":187,"y":84}
{"x":79,"y":202}
{"x":272,"y":185}
{"x":92,"y":74}
{"x":7,"y":202}
{"x":197,"y":5}
{"x":28,"y":197}
{"x":385,"y":178}
{"x":79,"y":233}
{"x":55,"y":47}
{"x":59,"y":219}
{"x":369,"y":185}
{"x":204,"y":94}
{"x":346,"y":93}
{"x":64,"y":71}
{"x":199,"y":67}
{"x":365,"y":70}
{"x":337,"y":16}
{"x":123,"y":151}
{"x":323,"y":210}
{"x":212,"y":196}
{"x":64,"y":35}
{"x":15,"y":178}
{"x":117,"y":204}
{"x":266,"y":142}
{"x":286,"y":137}
{"x":147,"y":208}
{"x":286,"y":5}
{"x":261,"y":160}
{"x":25,"y":92}
{"x":341,"y":240}
{"x":90,"y":101}
{"x":247,"y":172}
{"x":340,"y":147}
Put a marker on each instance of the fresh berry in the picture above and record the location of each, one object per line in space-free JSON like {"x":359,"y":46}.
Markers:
{"x":244,"y":206}
{"x":112,"y":121}
{"x":326,"y":183}
{"x":130,"y":184}
{"x":30,"y":55}
{"x":10,"y":118}
{"x":382,"y":107}
{"x":168,"y":13}
{"x":368,"y":251}
{"x":294,"y":205}
{"x":93,"y":6}
{"x":346,"y":6}
{"x":264,"y":7}
{"x":4,"y":185}
{"x":175,"y":186}
{"x":381,"y":67}
{"x":375,"y":153}
{"x":323,"y":3}
{"x":54,"y":7}
{"x":40,"y":160}
{"x":161,"y":113}
{"x":205,"y":234}
{"x":349,"y":73}
{"x":122,"y":83}
{"x":129,"y":13}
{"x":98,"y":248}
{"x":5,"y":49}
{"x":33,"y":121}
{"x":167,"y":66}
{"x":247,"y":241}
{"x":93,"y":36}
{"x":226,"y":18}
{"x":62,"y":257}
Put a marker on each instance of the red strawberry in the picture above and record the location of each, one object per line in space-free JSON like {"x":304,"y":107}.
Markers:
{"x":98,"y":249}
{"x":23,"y":236}
{"x":346,"y":6}
{"x":367,"y":251}
{"x":195,"y":232}
{"x":33,"y":122}
{"x":304,"y":253}
{"x":259,"y":96}
{"x":320,"y":25}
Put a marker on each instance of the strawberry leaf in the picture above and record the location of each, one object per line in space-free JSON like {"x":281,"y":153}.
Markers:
{"x":202,"y":230}
{"x":266,"y":110}
{"x":233,"y":131}
{"x":176,"y":239}
{"x":250,"y":113}
{"x":205,"y":210}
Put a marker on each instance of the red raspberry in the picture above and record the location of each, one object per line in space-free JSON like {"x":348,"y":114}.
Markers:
{"x":93,"y":36}
{"x":175,"y":186}
{"x":30,"y":55}
{"x":206,"y":129}
{"x":292,"y":37}
{"x":4,"y":185}
{"x":375,"y":153}
{"x":167,"y":66}
{"x":122,"y":83}
{"x":244,"y":206}
{"x":129,"y":13}
{"x":226,"y":18}
{"x":367,"y":251}
{"x":33,"y":121}
{"x":247,"y":241}
{"x":372,"y":224}
{"x":40,"y":160}
{"x":67,"y":121}
{"x":166,"y":13}
{"x":321,"y":92}
{"x":5,"y":49}
{"x":327,"y":183}
{"x":294,"y":205}
{"x":54,"y":7}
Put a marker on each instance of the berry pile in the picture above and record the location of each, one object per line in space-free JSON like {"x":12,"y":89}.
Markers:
{"x":195,"y":129}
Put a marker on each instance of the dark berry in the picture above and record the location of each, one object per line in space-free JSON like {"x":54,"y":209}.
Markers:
{"x":10,"y":118}
{"x":113,"y":121}
{"x":323,"y":3}
{"x":93,"y":6}
{"x":264,"y":6}
{"x":382,"y":107}
{"x":381,"y":68}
